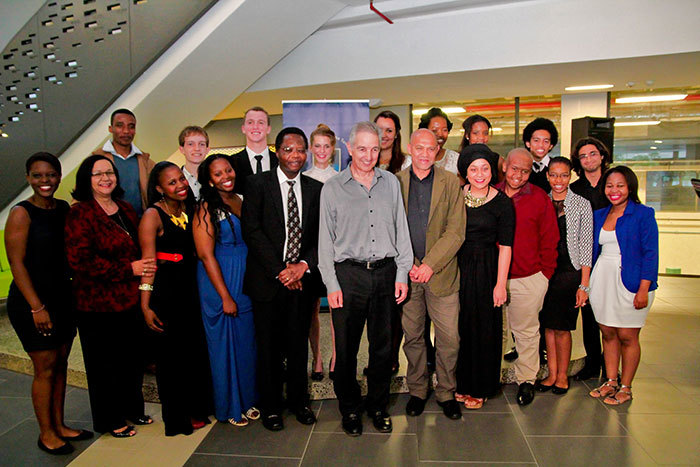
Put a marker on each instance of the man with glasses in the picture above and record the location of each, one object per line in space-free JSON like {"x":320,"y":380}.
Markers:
{"x":364,"y":257}
{"x":436,"y":222}
{"x":133,"y":165}
{"x":280,"y":226}
{"x":590,"y":160}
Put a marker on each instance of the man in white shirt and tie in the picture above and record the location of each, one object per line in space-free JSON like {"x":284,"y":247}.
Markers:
{"x":256,"y":157}
{"x":540,"y":136}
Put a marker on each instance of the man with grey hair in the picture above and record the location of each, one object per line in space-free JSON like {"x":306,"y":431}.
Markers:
{"x":533,"y":262}
{"x":437,"y":223}
{"x":365,"y":255}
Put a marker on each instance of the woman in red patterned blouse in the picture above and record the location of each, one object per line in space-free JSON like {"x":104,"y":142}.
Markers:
{"x":102,"y":249}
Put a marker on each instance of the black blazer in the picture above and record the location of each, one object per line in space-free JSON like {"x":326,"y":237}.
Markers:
{"x":262,"y":222}
{"x":241,"y":164}
{"x":540,"y":179}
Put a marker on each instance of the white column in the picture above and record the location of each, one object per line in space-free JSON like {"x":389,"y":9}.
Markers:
{"x":593,"y":104}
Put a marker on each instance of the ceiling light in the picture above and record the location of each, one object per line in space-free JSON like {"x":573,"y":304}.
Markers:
{"x":447,"y":110}
{"x":496,"y":129}
{"x":658,"y":141}
{"x":653,"y":147}
{"x":638,"y":123}
{"x":589,"y":87}
{"x":657,"y":98}
{"x":5,"y":135}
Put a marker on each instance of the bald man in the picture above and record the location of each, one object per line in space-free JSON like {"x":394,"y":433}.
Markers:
{"x":436,"y":222}
{"x":533,"y":263}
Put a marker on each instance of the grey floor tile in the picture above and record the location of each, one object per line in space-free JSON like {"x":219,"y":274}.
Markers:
{"x":255,"y":440}
{"x":18,"y":447}
{"x":329,"y":418}
{"x":567,"y":415}
{"x":209,"y":460}
{"x":77,"y":405}
{"x":15,"y":384}
{"x":588,"y":451}
{"x":14,"y":410}
{"x":657,"y":396}
{"x":368,"y":449}
{"x":669,"y":439}
{"x":482,"y":437}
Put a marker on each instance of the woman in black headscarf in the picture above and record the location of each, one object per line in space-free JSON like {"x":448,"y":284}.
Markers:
{"x":484,"y":260}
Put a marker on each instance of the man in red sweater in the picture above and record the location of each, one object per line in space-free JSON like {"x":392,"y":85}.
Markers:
{"x":533,"y":263}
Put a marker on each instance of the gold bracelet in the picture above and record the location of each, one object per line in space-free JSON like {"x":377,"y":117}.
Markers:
{"x":145,"y":287}
{"x":43,"y":307}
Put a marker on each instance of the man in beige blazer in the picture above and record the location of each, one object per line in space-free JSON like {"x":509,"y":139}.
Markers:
{"x":436,"y":220}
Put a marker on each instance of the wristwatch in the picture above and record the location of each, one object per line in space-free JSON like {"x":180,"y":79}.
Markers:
{"x":585,"y":288}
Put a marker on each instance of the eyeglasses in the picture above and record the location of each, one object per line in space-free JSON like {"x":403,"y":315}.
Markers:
{"x":109,"y":174}
{"x":289,"y":150}
{"x":590,"y":154}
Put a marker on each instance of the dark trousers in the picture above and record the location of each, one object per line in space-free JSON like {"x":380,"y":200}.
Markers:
{"x":368,"y":295}
{"x":113,"y":366}
{"x":591,"y":337}
{"x":282,"y":330}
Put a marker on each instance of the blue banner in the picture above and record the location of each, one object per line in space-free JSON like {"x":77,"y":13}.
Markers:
{"x":340,"y":116}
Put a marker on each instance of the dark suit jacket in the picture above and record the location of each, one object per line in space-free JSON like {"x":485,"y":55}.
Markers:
{"x":540,"y":179}
{"x":241,"y":164}
{"x":262,"y":222}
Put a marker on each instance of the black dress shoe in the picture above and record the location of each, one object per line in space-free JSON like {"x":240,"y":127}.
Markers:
{"x":381,"y":421}
{"x":526,"y":393}
{"x":352,"y":424}
{"x":511,"y":356}
{"x":451,"y":409}
{"x":305,"y":416}
{"x":415,"y":406}
{"x":559,"y":391}
{"x":61,"y":450}
{"x":587,"y":372}
{"x":543,"y":387}
{"x":273,"y":422}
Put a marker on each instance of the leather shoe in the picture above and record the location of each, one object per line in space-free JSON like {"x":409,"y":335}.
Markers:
{"x":543,"y":387}
{"x":451,"y":409}
{"x":381,"y":421}
{"x":558,"y":390}
{"x":415,"y":406}
{"x":305,"y":416}
{"x":526,"y":393}
{"x":352,"y":425}
{"x":511,"y":356}
{"x":273,"y":422}
{"x":587,"y":372}
{"x":67,"y":448}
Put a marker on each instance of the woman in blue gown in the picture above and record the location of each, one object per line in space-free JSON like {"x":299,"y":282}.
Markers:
{"x":226,"y":311}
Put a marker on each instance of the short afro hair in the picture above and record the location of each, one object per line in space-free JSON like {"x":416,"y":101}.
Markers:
{"x":541,"y":124}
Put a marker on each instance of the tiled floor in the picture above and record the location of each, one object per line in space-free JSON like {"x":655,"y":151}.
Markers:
{"x":660,"y":426}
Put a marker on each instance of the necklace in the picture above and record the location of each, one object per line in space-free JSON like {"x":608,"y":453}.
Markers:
{"x":121,"y":224}
{"x":472,"y":202}
{"x":180,"y":221}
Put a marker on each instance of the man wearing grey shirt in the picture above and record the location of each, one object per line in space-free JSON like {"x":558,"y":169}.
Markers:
{"x":365,"y":255}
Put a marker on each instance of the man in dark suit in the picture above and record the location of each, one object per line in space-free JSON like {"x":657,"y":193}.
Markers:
{"x":255,"y":157}
{"x":280,"y":217}
{"x":540,"y":136}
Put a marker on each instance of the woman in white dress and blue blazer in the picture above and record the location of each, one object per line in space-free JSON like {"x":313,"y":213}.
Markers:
{"x":624,"y":277}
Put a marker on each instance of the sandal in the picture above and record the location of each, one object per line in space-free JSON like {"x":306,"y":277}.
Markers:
{"x":606,"y":389}
{"x":127,"y":432}
{"x":461,"y":397}
{"x":143,"y":420}
{"x":242,"y":422}
{"x":626,"y":392}
{"x":474,"y":403}
{"x":253,"y":414}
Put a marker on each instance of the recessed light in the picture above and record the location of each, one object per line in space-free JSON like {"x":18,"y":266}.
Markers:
{"x":5,"y":135}
{"x":653,"y":147}
{"x":656,"y":98}
{"x":496,"y":129}
{"x":589,"y":87}
{"x":658,"y":141}
{"x":638,"y":123}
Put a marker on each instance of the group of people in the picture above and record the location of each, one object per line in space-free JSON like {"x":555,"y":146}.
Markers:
{"x":218,"y":267}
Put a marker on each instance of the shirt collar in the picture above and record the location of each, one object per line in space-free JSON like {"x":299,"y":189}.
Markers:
{"x":282,"y":178}
{"x":251,"y":153}
{"x":188,"y":175}
{"x":525,"y":190}
{"x":109,"y":147}
{"x":544,"y":162}
{"x":346,"y":175}
{"x":428,"y":178}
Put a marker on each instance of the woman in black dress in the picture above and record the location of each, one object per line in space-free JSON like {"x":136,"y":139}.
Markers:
{"x":170,"y":303}
{"x":569,"y":286}
{"x":39,"y":302}
{"x":484,"y":260}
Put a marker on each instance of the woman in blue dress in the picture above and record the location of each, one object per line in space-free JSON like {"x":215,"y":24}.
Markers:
{"x":226,"y":311}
